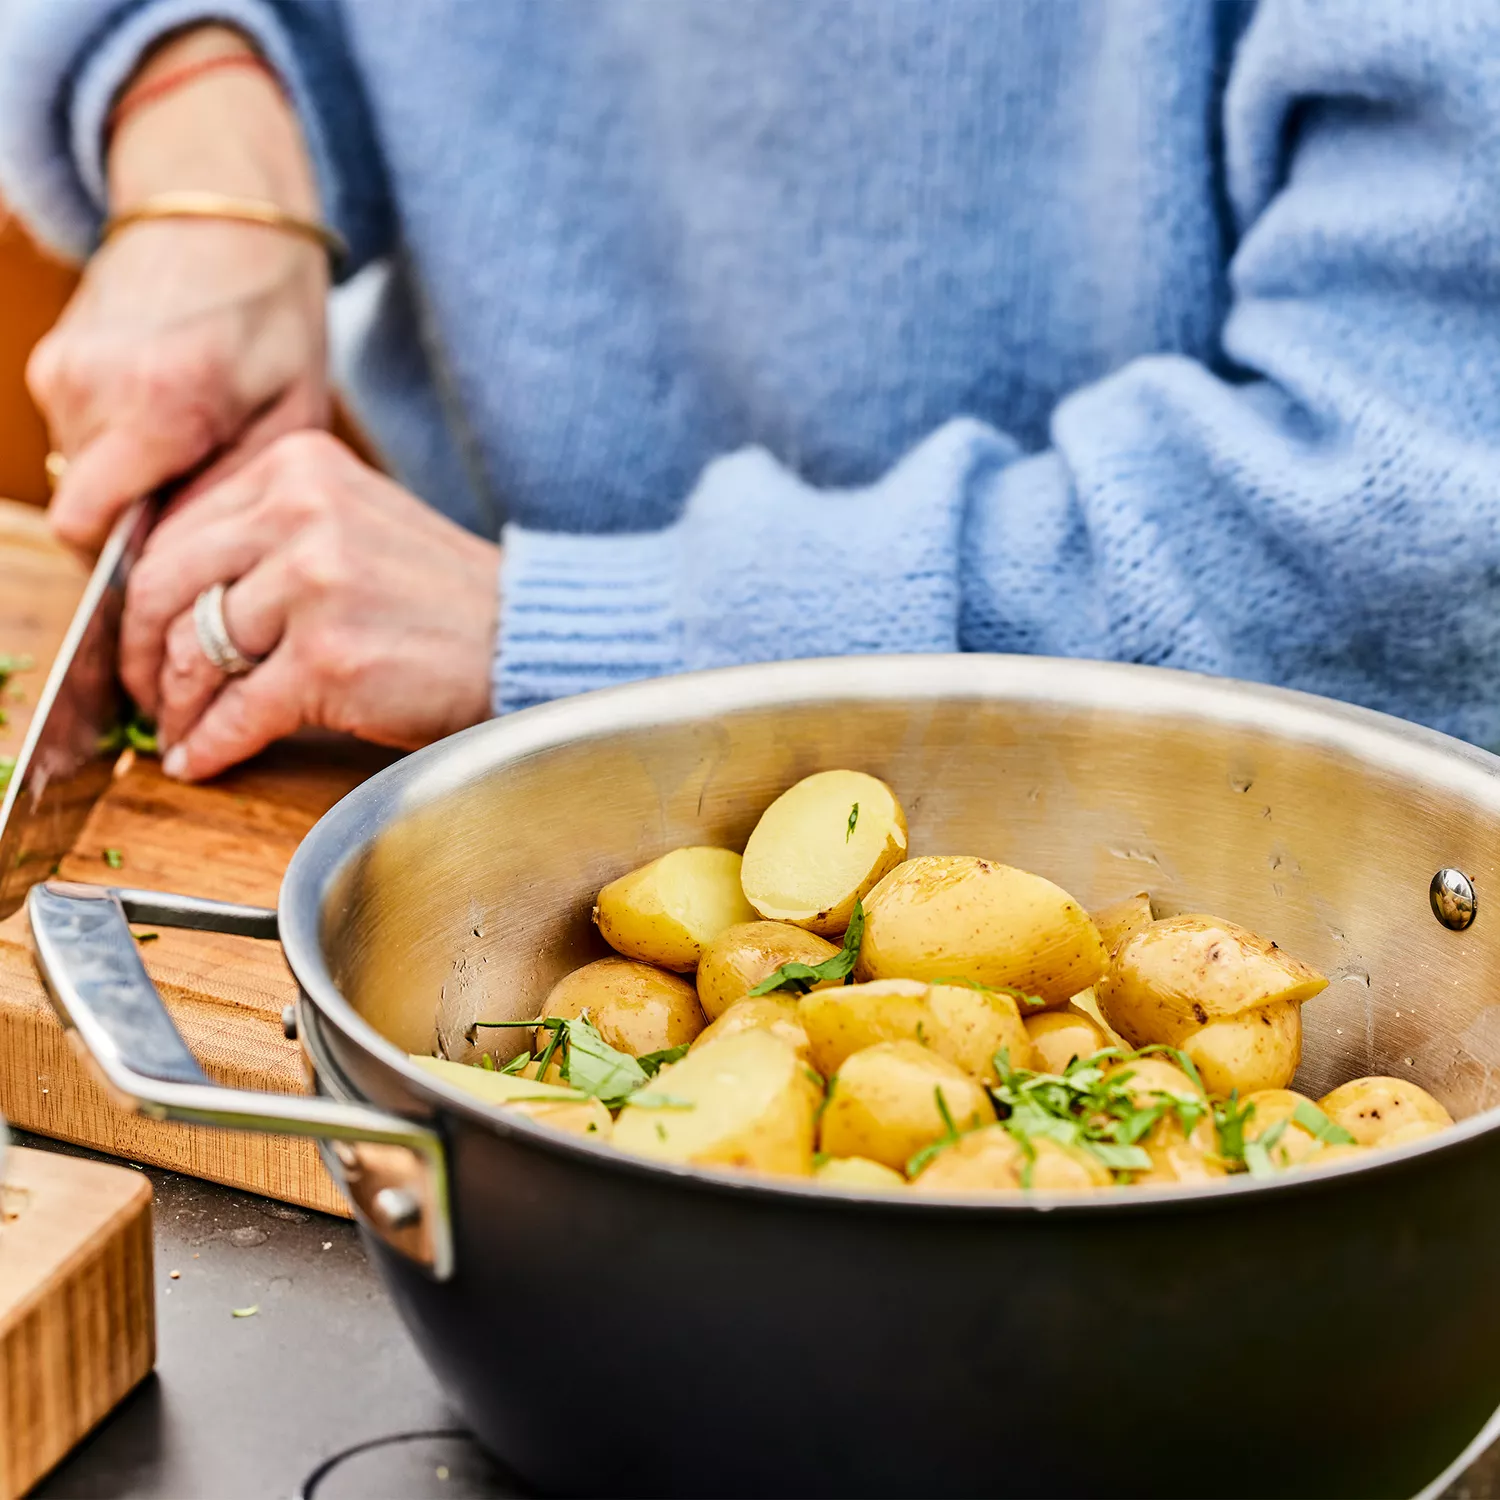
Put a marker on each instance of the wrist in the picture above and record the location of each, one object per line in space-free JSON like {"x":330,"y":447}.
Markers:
{"x":230,"y":131}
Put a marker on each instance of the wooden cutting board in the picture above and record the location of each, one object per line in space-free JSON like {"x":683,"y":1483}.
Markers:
{"x":230,"y":840}
{"x":77,"y":1309}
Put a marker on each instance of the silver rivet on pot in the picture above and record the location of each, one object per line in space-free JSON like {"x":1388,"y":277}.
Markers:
{"x":1452,"y":897}
{"x":289,"y":1023}
{"x":395,"y":1208}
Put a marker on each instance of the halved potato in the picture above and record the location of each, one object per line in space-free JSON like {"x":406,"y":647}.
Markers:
{"x":636,"y":1008}
{"x":741,"y":956}
{"x":1370,"y":1109}
{"x":746,"y":1101}
{"x":857,"y":1172}
{"x":562,"y":1108}
{"x":992,"y":1160}
{"x":1254,"y":1051}
{"x":1058,"y":1036}
{"x":1270,"y":1108}
{"x":1171,"y":978}
{"x":774,"y":1013}
{"x":883,"y":1103}
{"x":820,"y":846}
{"x":1123,"y":919}
{"x":667,"y":911}
{"x":953,"y":915}
{"x":967,"y":1026}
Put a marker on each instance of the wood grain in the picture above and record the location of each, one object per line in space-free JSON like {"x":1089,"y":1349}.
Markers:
{"x":230,"y":840}
{"x":77,"y":1309}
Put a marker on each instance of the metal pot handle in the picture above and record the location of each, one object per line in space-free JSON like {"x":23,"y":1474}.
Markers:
{"x":392,"y":1170}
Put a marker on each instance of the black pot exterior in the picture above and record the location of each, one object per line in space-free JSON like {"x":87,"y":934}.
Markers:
{"x":613,"y":1331}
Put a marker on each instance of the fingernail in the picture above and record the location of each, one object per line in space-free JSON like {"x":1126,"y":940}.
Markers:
{"x":175,"y":763}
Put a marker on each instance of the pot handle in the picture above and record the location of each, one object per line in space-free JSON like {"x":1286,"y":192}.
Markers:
{"x":392,"y":1170}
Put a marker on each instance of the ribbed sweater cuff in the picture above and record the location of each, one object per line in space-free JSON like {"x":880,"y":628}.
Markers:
{"x":581,"y":612}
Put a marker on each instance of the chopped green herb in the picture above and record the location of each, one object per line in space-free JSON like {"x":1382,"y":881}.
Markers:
{"x":7,"y":770}
{"x":661,"y":1131}
{"x":853,"y":820}
{"x":140,"y":735}
{"x":820,"y":1157}
{"x":1230,"y":1119}
{"x":486,"y":1062}
{"x":114,"y":859}
{"x":950,"y":1134}
{"x":517,"y":1064}
{"x":651,"y":1063}
{"x":800,"y":978}
{"x":11,"y":665}
{"x":245,"y":1312}
{"x":147,"y":937}
{"x":650,"y":1099}
{"x":1019,"y":996}
{"x":1316,"y":1123}
{"x":4,"y":718}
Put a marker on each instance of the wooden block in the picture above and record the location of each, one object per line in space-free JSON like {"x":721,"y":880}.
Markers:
{"x":230,"y":840}
{"x":77,"y":1305}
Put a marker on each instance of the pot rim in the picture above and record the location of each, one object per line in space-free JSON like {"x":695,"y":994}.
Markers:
{"x":1413,"y":750}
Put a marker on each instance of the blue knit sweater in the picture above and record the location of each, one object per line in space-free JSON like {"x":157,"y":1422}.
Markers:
{"x":1145,"y":329}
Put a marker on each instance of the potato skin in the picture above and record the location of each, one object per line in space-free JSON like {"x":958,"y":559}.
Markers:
{"x":774,"y":1013}
{"x":967,"y":1026}
{"x":947,"y":915}
{"x":857,"y":1172}
{"x":1370,"y":1109}
{"x":806,"y":865}
{"x":754,"y":1106}
{"x":1123,"y":919}
{"x":992,"y":1160}
{"x":666,"y":911}
{"x":741,"y":956}
{"x":1058,"y":1036}
{"x":635,"y":1007}
{"x":1171,"y":978}
{"x":883,"y":1103}
{"x":1252,"y":1052}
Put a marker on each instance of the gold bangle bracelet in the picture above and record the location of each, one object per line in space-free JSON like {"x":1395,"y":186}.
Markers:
{"x":236,"y":210}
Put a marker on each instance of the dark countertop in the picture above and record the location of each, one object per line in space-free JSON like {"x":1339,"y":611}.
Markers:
{"x":319,"y":1394}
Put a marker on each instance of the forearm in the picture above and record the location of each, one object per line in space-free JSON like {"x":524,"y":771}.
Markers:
{"x":230,"y":131}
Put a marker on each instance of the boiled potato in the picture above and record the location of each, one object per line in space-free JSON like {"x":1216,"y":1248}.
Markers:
{"x":746,"y":1101}
{"x":1058,"y":1036}
{"x":942,"y":916}
{"x":1371,"y":1108}
{"x":992,"y":1160}
{"x":967,"y":1026}
{"x":1176,"y":1156}
{"x":857,"y":1172}
{"x":1331,"y":1156}
{"x":1123,"y":919}
{"x":883,"y":1103}
{"x":562,"y":1108}
{"x":820,"y":847}
{"x":1227,"y":997}
{"x":1270,"y":1108}
{"x":636,"y":1008}
{"x":774,"y":1013}
{"x":667,"y":911}
{"x":1413,"y":1130}
{"x":1252,"y":1052}
{"x":741,"y":956}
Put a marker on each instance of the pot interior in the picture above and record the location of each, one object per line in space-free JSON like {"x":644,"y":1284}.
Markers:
{"x":457,"y":886}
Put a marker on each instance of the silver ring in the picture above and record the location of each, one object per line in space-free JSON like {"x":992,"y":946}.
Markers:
{"x":213,"y":634}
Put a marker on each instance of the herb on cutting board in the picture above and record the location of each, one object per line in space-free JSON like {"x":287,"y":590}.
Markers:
{"x":114,"y":858}
{"x":7,"y":770}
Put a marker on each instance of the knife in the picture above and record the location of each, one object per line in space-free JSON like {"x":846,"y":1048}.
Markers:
{"x":72,"y":744}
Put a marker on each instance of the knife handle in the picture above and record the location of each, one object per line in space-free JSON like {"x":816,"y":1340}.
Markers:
{"x":393,"y":1170}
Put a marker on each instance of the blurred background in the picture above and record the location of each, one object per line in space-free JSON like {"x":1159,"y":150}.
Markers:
{"x":33,"y":289}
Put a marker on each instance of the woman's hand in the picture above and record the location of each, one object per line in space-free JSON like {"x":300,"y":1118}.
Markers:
{"x":187,"y":342}
{"x":375,"y":615}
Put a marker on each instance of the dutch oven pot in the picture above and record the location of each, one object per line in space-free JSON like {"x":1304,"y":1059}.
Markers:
{"x":610,"y":1326}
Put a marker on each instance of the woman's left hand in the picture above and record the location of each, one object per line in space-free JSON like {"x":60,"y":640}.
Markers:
{"x":374,"y":614}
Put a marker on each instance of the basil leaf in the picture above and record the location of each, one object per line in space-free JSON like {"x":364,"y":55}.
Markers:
{"x":802,"y":977}
{"x":516,"y":1065}
{"x":1120,"y":1158}
{"x":1258,"y":1160}
{"x":651,"y":1063}
{"x":1316,"y":1123}
{"x":592,"y":1066}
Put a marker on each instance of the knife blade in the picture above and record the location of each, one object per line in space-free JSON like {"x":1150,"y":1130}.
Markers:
{"x":70,"y":749}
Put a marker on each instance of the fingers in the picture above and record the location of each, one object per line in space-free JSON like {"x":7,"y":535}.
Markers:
{"x":248,"y":714}
{"x":255,"y":613}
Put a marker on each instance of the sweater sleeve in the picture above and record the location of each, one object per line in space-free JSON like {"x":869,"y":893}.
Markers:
{"x":62,"y":62}
{"x":1325,"y":515}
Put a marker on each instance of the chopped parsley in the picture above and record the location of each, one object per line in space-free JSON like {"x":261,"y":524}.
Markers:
{"x":853,"y":820}
{"x":147,"y":937}
{"x":114,"y":859}
{"x":800,"y":978}
{"x":7,"y":770}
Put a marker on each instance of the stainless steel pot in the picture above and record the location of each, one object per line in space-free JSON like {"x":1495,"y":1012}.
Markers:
{"x":608,"y":1325}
